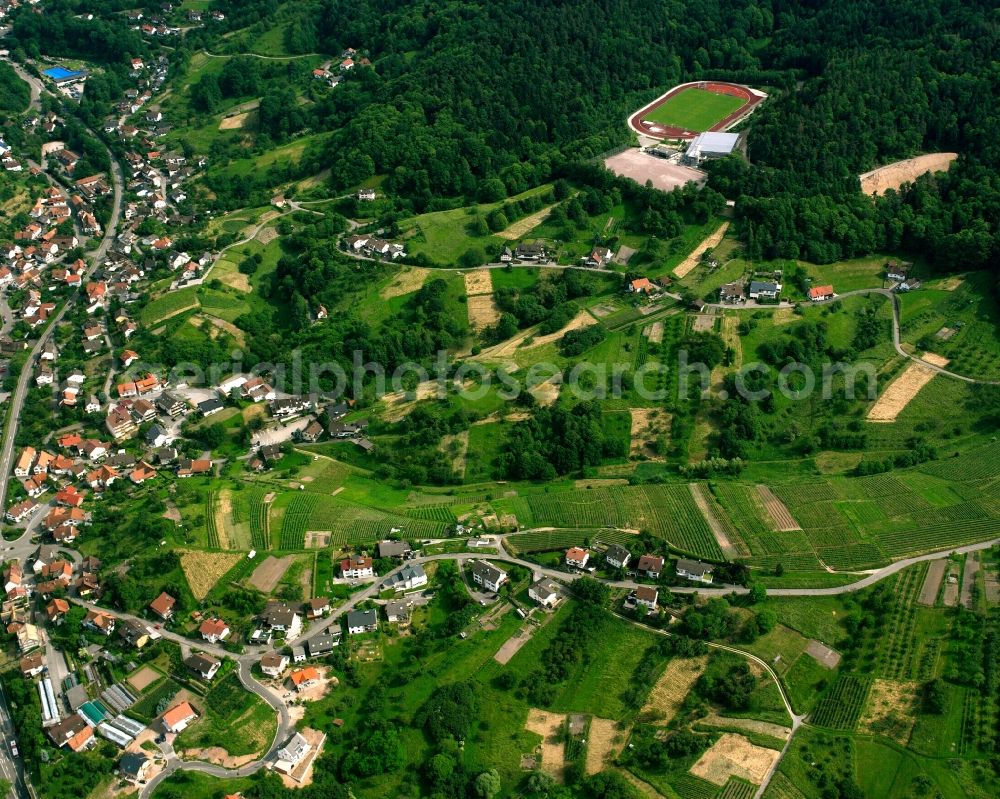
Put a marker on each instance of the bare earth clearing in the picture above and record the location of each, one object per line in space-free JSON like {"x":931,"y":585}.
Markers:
{"x":892,"y":176}
{"x":673,"y":686}
{"x":823,"y":655}
{"x":708,"y":243}
{"x":510,"y":647}
{"x":782,"y":518}
{"x":266,"y":576}
{"x":654,"y":332}
{"x":204,"y":569}
{"x":549,"y":726}
{"x":969,"y":579}
{"x":236,"y":121}
{"x":733,"y":755}
{"x":223,"y":512}
{"x":483,"y":311}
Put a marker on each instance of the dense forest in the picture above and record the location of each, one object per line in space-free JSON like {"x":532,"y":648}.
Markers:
{"x":460,"y":98}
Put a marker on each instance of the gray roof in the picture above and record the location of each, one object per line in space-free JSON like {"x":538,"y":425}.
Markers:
{"x":393,"y":549}
{"x":362,"y":618}
{"x":131,"y":763}
{"x":762,"y":285}
{"x":694,"y":567}
{"x":544,"y":588}
{"x":716,"y":142}
{"x":396,"y":608}
{"x":487,"y":571}
{"x":617,"y":552}
{"x":320,"y":645}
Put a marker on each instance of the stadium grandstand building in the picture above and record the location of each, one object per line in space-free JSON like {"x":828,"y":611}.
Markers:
{"x":709,"y":145}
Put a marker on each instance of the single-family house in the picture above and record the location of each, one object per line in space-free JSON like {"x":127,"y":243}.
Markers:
{"x":545,"y":592}
{"x":695,"y":570}
{"x":362,"y":621}
{"x":577,"y":557}
{"x":488,"y":576}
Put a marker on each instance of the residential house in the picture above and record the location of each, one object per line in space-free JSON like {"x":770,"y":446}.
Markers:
{"x":529,"y":252}
{"x":163,"y":606}
{"x":545,"y":592}
{"x":214,"y":630}
{"x":617,"y":556}
{"x":362,"y":621}
{"x":134,"y":766}
{"x":32,"y":665}
{"x":411,"y":576}
{"x":650,"y":566}
{"x":210,"y":406}
{"x":397,"y":611}
{"x":304,"y":679}
{"x":577,"y":557}
{"x":134,"y":633}
{"x":821,"y":293}
{"x":488,"y":576}
{"x":273,"y":664}
{"x":188,"y":467}
{"x":899,"y":272}
{"x":56,"y":611}
{"x":205,"y":666}
{"x":646,"y":595}
{"x":177,"y":718}
{"x":599,"y":256}
{"x":394,"y":549}
{"x":73,"y":732}
{"x":284,"y":618}
{"x":732,"y":293}
{"x":100,"y":621}
{"x":357,"y":567}
{"x":695,"y":570}
{"x":291,"y":754}
{"x":764,"y":290}
{"x":323,"y":644}
{"x":318,"y":607}
{"x":642,"y":285}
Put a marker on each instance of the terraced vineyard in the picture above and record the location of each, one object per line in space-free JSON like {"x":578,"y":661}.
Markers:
{"x":841,"y":706}
{"x":437,"y":513}
{"x":296,"y":521}
{"x":210,"y":526}
{"x":550,"y":540}
{"x":257,"y":511}
{"x":688,"y":786}
{"x":666,"y":511}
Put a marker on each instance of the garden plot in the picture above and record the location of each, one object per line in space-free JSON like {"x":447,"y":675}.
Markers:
{"x":317,"y":539}
{"x":550,"y":727}
{"x":951,"y":586}
{"x":266,"y":576}
{"x":703,"y":323}
{"x":204,"y":569}
{"x":672,"y":688}
{"x":932,"y":582}
{"x":143,"y":678}
{"x":654,"y":332}
{"x":734,"y":756}
{"x":781,"y":517}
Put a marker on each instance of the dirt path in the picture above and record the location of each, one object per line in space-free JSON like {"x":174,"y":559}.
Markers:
{"x":892,"y":176}
{"x":512,"y":645}
{"x":708,"y":512}
{"x":708,"y":243}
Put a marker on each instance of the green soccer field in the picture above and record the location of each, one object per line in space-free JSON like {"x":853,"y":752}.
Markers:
{"x":695,"y":109}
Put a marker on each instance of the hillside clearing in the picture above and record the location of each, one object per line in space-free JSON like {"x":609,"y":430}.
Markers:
{"x":892,"y":176}
{"x":694,"y":258}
